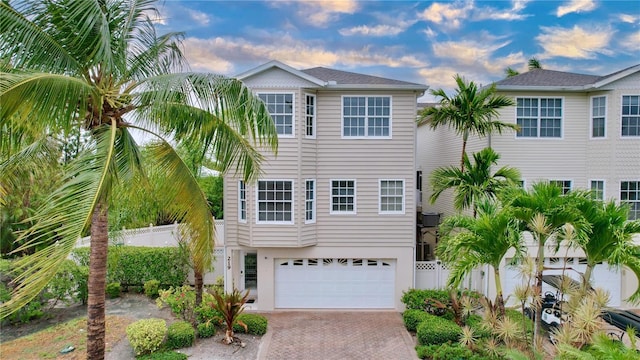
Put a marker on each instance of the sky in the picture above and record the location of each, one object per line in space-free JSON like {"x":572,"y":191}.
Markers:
{"x":425,"y":42}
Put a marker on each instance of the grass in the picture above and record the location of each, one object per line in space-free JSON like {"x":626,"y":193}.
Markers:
{"x":46,"y":344}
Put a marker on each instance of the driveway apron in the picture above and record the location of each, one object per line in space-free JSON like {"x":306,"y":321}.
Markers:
{"x":339,"y":335}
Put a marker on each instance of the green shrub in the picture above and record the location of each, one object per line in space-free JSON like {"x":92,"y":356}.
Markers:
{"x":181,"y":300}
{"x":135,"y":265}
{"x":207,"y":312}
{"x":436,"y":330}
{"x":256,"y":324}
{"x":476,"y":323}
{"x":415,"y":298}
{"x":151,"y":288}
{"x":70,"y":283}
{"x":165,"y":355}
{"x":516,"y":316}
{"x":445,"y":352}
{"x":412,"y":318}
{"x":113,"y":289}
{"x":180,"y":335}
{"x":206,"y":330}
{"x":146,"y":336}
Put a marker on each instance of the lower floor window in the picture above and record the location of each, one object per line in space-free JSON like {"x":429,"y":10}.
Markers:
{"x":597,"y":189}
{"x":564,"y":185}
{"x":391,"y":196}
{"x":275,"y":201}
{"x":343,"y":196}
{"x":630,"y":193}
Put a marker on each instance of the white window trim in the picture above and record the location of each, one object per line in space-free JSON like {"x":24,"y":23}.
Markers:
{"x":355,"y":198}
{"x":293,"y":113}
{"x":563,"y":180}
{"x":562,"y":121}
{"x":315,"y":113}
{"x":293,"y":204}
{"x":314,"y":201}
{"x":524,"y":184}
{"x":604,"y":187}
{"x":246,"y":209}
{"x":620,"y":201}
{"x":620,"y":120}
{"x":606,"y":112}
{"x":404,"y":198}
{"x":366,"y":127}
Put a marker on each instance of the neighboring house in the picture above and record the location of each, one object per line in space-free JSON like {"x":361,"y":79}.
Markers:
{"x":580,"y":131}
{"x":331,"y":221}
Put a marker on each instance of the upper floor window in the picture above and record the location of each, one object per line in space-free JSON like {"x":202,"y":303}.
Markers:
{"x":564,"y":185}
{"x":366,"y":116}
{"x":280,"y":107}
{"x":598,"y":116}
{"x":310,"y":201}
{"x":597,"y":189}
{"x":275,"y":201}
{"x":631,"y":115}
{"x":242,"y":201}
{"x":539,"y":117}
{"x":630,"y":193}
{"x":392,"y":196}
{"x":343,"y":196}
{"x":310,"y":116}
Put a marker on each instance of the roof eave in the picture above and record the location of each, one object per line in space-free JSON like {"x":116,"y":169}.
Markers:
{"x":617,"y":76}
{"x":416,"y":87}
{"x":282,"y":66}
{"x":543,"y":88}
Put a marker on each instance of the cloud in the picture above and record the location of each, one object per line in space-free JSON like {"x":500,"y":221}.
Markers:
{"x":512,"y":14}
{"x":575,"y":6}
{"x":630,"y":19}
{"x":448,"y":15}
{"x":320,"y":13}
{"x":631,"y":42}
{"x":378,"y":30}
{"x":199,"y":17}
{"x":575,"y":43}
{"x":431,"y":34}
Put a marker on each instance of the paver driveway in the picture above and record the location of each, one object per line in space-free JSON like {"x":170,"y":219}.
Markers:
{"x":339,"y":335}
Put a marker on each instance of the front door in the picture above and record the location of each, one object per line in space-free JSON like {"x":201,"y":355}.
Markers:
{"x":251,"y":272}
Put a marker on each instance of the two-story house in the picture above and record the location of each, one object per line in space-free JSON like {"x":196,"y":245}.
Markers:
{"x":331,"y":221}
{"x":579,"y":131}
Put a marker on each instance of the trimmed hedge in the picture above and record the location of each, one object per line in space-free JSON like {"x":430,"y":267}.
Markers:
{"x":146,"y":336}
{"x":113,"y":290}
{"x":180,"y":335}
{"x":256,"y":324}
{"x":134,"y":265}
{"x":436,"y":330}
{"x":447,"y":352}
{"x":151,"y":288}
{"x":412,"y":318}
{"x":165,"y":355}
{"x":415,"y":298}
{"x":206,"y":330}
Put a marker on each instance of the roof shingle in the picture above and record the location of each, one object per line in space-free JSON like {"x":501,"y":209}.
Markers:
{"x":542,"y":77}
{"x":349,"y":78}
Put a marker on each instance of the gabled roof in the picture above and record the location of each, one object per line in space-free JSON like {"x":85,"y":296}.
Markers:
{"x":542,"y":79}
{"x":336,"y":79}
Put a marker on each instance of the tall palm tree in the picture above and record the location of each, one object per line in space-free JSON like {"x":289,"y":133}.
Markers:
{"x":469,"y":112}
{"x":469,"y":242}
{"x":534,"y":64}
{"x":473,"y":181}
{"x":100,"y":64}
{"x":611,"y":238}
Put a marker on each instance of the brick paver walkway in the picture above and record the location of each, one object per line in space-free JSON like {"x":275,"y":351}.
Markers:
{"x":339,"y":335}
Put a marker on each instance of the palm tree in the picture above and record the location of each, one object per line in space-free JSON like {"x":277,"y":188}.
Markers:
{"x":101,"y":66}
{"x":611,"y":238}
{"x":469,"y":242}
{"x":545,"y":212}
{"x":474,"y":181}
{"x":510,"y":72}
{"x":534,"y":64}
{"x":469,"y":112}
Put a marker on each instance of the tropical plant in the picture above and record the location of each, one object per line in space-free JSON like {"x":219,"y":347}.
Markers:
{"x":231,"y":305}
{"x":533,"y":64}
{"x":469,"y":242}
{"x":474,"y":181}
{"x":469,"y":112}
{"x":100,"y":65}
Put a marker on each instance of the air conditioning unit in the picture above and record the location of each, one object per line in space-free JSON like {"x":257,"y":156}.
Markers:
{"x":430,"y":219}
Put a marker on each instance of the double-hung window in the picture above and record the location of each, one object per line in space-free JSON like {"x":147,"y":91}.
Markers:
{"x":242,"y":201}
{"x":275,"y":201}
{"x":343,"y":197}
{"x":310,"y":116}
{"x":564,"y":185}
{"x":366,"y":116}
{"x":310,"y":201}
{"x":598,"y":116}
{"x":280,"y":107}
{"x":597,"y":189}
{"x":539,"y":117}
{"x":630,"y":193}
{"x":391,"y":197}
{"x":631,"y":115}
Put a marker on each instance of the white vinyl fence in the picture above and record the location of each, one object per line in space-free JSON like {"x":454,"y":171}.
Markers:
{"x":434,"y":275}
{"x":164,"y":236}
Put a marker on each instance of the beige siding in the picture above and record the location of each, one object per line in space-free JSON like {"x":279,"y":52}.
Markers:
{"x":277,"y":79}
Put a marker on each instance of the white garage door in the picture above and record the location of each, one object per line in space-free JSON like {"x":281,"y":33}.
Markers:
{"x":602,"y":277}
{"x":334,"y":283}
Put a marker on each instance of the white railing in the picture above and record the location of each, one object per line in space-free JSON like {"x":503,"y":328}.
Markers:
{"x":434,"y":275}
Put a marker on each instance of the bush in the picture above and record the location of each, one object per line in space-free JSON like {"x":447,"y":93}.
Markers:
{"x":113,"y":289}
{"x":151,"y":288}
{"x":135,"y":265}
{"x":516,"y":316}
{"x":180,"y":335}
{"x":256,"y":324}
{"x":206,"y":330}
{"x":446,"y":352}
{"x":165,"y":355}
{"x":146,"y":336}
{"x":207,"y":312}
{"x":70,"y":283}
{"x":412,"y":318}
{"x":476,"y":323}
{"x":415,"y":298}
{"x":436,"y":330}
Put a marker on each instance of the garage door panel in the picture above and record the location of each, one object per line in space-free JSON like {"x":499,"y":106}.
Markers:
{"x":334,"y":283}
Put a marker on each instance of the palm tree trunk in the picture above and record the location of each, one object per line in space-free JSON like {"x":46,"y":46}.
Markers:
{"x":586,"y":279}
{"x":97,"y":281}
{"x":464,"y":151}
{"x":499,"y":295}
{"x":538,"y":290}
{"x":198,"y":283}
